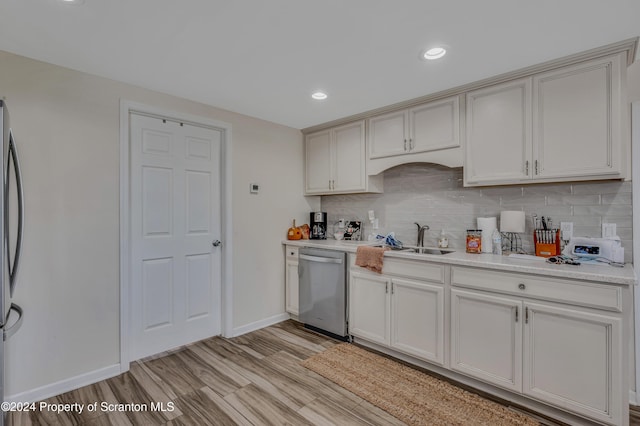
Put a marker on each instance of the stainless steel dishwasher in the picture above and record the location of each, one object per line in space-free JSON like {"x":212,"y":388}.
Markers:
{"x":323,"y":291}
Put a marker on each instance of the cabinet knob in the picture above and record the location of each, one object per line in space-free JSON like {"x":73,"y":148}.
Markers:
{"x":521,"y":286}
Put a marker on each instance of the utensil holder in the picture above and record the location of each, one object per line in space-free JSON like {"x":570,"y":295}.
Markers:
{"x":544,"y":248}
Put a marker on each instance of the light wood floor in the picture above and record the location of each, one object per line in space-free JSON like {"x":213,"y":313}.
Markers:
{"x":255,"y":379}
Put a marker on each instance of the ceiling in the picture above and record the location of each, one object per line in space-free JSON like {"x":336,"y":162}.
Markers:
{"x":265,"y":58}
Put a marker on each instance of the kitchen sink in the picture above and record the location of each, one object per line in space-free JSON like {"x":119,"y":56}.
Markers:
{"x":427,"y":250}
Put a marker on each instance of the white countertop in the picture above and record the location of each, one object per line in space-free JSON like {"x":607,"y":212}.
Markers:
{"x":601,"y":273}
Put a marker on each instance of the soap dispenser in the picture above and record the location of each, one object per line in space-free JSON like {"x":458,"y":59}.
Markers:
{"x":443,"y":241}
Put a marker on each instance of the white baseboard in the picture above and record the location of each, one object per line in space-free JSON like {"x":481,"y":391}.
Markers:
{"x":248,"y":328}
{"x":633,"y":398}
{"x":65,"y":385}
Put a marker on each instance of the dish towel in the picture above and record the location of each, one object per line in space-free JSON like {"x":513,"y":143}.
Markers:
{"x":370,"y":257}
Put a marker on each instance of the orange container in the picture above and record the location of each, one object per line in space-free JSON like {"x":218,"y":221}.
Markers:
{"x":474,"y":241}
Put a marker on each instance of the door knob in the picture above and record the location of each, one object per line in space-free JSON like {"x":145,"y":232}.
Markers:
{"x":217,"y":243}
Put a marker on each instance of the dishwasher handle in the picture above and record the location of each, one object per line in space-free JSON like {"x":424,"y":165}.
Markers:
{"x":319,"y":259}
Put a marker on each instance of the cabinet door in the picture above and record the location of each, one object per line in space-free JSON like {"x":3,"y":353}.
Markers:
{"x":369,"y":307}
{"x":417,"y":319}
{"x":571,"y":360}
{"x":318,"y":162}
{"x":577,"y":120}
{"x":486,"y":338}
{"x":388,"y":134}
{"x":498,"y":145}
{"x":349,"y":170}
{"x":291,"y":286}
{"x":435,"y":125}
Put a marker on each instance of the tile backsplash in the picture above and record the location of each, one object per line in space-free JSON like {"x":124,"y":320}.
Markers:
{"x":434,"y":195}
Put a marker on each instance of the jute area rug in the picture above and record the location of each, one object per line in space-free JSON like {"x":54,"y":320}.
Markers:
{"x":408,"y":394}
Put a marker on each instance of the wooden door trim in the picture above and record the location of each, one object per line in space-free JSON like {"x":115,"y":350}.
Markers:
{"x":126,"y":108}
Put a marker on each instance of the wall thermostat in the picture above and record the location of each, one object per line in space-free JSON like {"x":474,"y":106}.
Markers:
{"x":254,"y":188}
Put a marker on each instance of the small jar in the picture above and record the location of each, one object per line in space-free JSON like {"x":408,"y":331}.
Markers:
{"x":474,"y":240}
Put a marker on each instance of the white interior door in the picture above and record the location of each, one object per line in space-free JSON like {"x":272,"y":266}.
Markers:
{"x":175,"y":218}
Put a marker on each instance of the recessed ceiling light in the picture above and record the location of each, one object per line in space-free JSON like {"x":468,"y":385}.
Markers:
{"x":72,"y":2}
{"x":319,"y":96}
{"x":434,"y":53}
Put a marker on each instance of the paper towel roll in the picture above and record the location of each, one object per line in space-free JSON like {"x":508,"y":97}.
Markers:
{"x":512,"y":221}
{"x":487,"y":225}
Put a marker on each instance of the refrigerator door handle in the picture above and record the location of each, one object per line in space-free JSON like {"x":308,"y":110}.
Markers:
{"x":13,"y":268}
{"x":10,"y":331}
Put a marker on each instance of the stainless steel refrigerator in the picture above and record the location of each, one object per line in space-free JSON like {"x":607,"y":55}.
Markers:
{"x":12,"y":230}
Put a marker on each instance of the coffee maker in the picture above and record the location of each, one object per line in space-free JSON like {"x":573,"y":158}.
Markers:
{"x":318,"y":226}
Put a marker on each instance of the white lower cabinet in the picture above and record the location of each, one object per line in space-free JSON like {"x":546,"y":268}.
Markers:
{"x":560,"y":342}
{"x":566,"y":356}
{"x":417,"y":319}
{"x":404,"y":314}
{"x":291,"y":280}
{"x":572,"y":360}
{"x":486,"y":338}
{"x":369,"y":307}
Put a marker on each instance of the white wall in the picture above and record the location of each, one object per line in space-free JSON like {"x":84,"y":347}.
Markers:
{"x":67,"y":125}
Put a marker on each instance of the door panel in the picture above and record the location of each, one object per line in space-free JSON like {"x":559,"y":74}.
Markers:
{"x":349,"y":159}
{"x":568,"y":360}
{"x":486,"y":338}
{"x":175,"y":217}
{"x":198,"y":209}
{"x":318,"y":162}
{"x":387,"y":134}
{"x":435,"y":125}
{"x":157,"y":292}
{"x":575,"y":108}
{"x":417,"y":319}
{"x":499,"y":133}
{"x":198,"y":287}
{"x":369,"y":307}
{"x":157,"y":203}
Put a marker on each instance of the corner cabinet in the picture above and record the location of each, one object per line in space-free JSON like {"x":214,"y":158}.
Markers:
{"x":335,"y":161}
{"x":560,"y":125}
{"x":405,"y":314}
{"x":566,"y":351}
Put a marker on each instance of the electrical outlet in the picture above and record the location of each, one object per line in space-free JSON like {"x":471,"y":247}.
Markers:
{"x":567,"y":230}
{"x":609,"y":230}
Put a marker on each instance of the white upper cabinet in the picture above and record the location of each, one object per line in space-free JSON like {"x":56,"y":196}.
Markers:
{"x":435,"y":125}
{"x":318,"y":154}
{"x":388,"y":134}
{"x":577,"y":116}
{"x":335,"y":161}
{"x":559,"y":125}
{"x":404,"y":134}
{"x":499,"y":133}
{"x":349,"y":164}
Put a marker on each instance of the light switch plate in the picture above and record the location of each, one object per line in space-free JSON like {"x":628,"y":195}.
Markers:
{"x":254,"y":188}
{"x":609,"y":230}
{"x":567,"y":230}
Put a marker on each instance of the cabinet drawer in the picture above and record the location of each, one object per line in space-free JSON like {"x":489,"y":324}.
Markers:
{"x":582,"y":293}
{"x":415,"y":269}
{"x":291,"y":252}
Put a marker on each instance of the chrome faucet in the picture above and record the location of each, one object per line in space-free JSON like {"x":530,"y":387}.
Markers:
{"x":421,"y":230}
